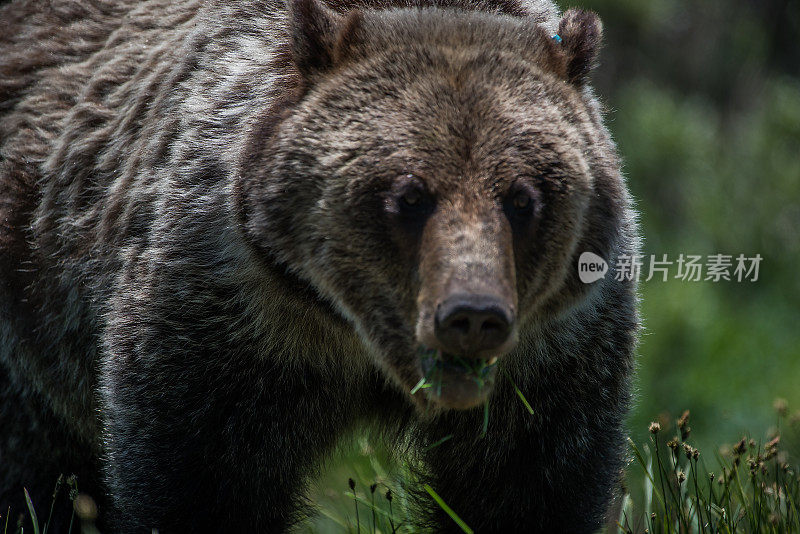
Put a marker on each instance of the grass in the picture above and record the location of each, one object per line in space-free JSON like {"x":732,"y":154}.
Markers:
{"x":67,"y":485}
{"x":751,"y":486}
{"x":449,"y":511}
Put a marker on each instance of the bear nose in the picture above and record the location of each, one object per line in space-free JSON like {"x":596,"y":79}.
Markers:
{"x":473,"y":325}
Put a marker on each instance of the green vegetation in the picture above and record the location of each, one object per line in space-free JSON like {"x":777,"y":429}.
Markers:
{"x":750,"y":486}
{"x":704,"y":102}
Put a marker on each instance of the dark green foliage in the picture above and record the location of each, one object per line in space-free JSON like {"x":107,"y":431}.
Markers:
{"x":704,"y":102}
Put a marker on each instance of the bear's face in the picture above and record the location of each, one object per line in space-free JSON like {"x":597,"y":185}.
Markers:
{"x":433,"y":183}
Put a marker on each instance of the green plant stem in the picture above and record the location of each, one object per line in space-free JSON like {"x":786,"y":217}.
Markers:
{"x":661,"y":477}
{"x":698,"y":506}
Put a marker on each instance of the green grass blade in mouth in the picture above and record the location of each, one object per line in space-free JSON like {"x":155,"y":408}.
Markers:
{"x":419,"y":385}
{"x":423,"y":382}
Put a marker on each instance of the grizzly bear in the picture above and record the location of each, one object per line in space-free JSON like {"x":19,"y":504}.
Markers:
{"x":232,"y":232}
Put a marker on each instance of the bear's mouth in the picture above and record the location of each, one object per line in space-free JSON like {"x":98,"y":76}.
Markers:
{"x":455,"y":381}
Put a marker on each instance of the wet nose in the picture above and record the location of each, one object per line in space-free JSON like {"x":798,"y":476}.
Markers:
{"x":473,"y":325}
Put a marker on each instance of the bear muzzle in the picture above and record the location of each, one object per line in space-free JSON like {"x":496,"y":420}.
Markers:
{"x":459,"y":362}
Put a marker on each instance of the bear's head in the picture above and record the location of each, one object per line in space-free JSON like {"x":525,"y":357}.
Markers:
{"x":434,"y":173}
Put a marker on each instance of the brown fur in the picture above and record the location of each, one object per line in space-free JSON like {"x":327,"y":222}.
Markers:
{"x":206,"y":280}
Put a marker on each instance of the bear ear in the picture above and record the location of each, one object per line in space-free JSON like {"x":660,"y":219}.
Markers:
{"x":581,"y":34}
{"x":319,"y":37}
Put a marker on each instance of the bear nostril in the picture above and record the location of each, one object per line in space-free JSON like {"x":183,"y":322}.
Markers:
{"x":461,"y":324}
{"x":469,"y":325}
{"x":492,"y":325}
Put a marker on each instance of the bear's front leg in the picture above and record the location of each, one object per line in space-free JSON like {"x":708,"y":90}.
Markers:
{"x":212,"y":442}
{"x":551,"y":471}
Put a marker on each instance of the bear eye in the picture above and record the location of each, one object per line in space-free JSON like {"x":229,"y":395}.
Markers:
{"x":411,"y":197}
{"x":521,"y":201}
{"x":520,"y":204}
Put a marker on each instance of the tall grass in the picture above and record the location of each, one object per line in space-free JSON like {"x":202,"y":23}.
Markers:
{"x":83,"y":505}
{"x":751,"y":486}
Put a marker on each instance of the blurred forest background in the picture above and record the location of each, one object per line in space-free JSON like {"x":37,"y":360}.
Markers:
{"x":704,"y":102}
{"x":703,"y":98}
